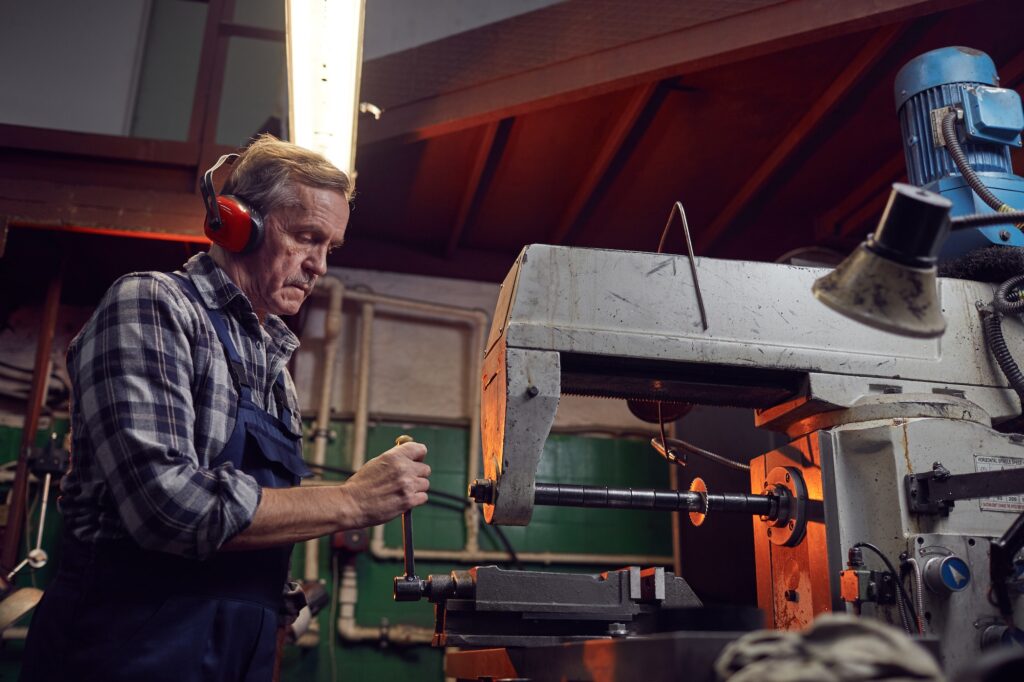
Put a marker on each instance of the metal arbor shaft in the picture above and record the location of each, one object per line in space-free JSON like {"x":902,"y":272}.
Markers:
{"x":562,"y":495}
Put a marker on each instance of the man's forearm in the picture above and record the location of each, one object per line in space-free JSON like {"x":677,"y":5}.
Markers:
{"x":381,"y":490}
{"x":288,"y":515}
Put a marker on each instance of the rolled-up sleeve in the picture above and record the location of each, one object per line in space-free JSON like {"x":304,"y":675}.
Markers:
{"x":133,"y":375}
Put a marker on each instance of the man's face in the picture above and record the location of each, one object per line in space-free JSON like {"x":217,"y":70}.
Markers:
{"x":283,"y":271}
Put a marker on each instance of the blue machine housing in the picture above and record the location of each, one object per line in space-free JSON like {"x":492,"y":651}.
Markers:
{"x":992,"y":122}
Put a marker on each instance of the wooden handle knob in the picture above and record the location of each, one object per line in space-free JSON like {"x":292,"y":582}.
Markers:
{"x":403,"y":439}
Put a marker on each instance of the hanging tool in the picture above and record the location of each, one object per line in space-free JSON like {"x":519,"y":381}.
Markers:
{"x":408,"y":587}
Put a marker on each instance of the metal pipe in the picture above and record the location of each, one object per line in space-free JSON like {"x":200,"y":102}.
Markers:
{"x":362,"y":416}
{"x":380,"y":551}
{"x":321,"y":427}
{"x":472,"y":513}
{"x":335,"y":289}
{"x":36,"y":398}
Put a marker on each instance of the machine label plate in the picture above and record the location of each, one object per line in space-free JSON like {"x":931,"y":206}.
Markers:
{"x":1006,"y":503}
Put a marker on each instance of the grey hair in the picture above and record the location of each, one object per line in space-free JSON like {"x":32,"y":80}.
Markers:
{"x":269,"y":169}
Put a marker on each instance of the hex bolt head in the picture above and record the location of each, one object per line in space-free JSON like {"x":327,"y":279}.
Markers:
{"x":482,"y":490}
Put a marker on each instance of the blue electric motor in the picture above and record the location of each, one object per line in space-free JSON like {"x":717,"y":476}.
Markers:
{"x":988,"y":121}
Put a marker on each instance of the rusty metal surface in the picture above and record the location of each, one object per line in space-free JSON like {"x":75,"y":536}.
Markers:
{"x":672,"y":657}
{"x":794,"y":583}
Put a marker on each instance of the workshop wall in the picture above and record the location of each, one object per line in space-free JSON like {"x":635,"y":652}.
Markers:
{"x":420,"y":386}
{"x":569,"y":459}
{"x":419,"y":366}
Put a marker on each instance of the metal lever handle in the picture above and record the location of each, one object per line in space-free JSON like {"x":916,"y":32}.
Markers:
{"x":37,"y":557}
{"x":408,"y":587}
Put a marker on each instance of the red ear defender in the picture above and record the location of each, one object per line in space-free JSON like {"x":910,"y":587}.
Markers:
{"x":230,"y":222}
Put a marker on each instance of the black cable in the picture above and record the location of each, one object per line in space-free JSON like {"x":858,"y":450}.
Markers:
{"x":661,"y":430}
{"x":678,"y":444}
{"x":899,"y":583}
{"x":513,"y":557}
{"x":983,"y":219}
{"x":992,"y":329}
{"x":964,"y":166}
{"x":1007,"y":298}
{"x":348,"y":472}
{"x":462,"y":502}
{"x":23,"y":370}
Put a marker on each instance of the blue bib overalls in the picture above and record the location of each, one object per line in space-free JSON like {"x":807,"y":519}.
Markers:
{"x":116,"y":612}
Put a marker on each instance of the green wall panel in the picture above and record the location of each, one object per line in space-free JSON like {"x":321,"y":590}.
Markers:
{"x":439,"y":525}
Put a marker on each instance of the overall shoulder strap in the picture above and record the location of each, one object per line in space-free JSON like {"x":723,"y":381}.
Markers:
{"x":216,"y":317}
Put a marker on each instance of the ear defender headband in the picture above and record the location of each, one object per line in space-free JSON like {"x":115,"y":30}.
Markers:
{"x":230,"y":222}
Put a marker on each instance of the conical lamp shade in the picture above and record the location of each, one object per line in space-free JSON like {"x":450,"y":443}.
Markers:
{"x":884,"y":294}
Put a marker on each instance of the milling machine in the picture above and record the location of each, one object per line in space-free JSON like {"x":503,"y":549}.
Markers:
{"x":903,"y":448}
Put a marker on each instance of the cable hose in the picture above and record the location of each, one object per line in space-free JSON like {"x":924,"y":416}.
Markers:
{"x":1007,"y":298}
{"x":903,"y":601}
{"x":986,"y":219}
{"x":918,"y":579}
{"x":956,"y":152}
{"x":677,"y":444}
{"x":992,"y":327}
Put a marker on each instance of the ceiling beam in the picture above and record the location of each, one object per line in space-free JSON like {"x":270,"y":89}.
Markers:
{"x":399,"y":256}
{"x":98,"y":208}
{"x":836,"y":223}
{"x":742,"y":36}
{"x":602,"y":161}
{"x":474,"y":187}
{"x":761,"y":178}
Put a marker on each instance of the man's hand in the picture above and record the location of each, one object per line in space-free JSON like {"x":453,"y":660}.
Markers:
{"x":388,"y":485}
{"x":381,"y":490}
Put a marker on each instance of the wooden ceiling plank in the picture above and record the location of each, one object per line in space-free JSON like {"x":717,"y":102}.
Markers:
{"x":858,"y":67}
{"x":95,"y":145}
{"x":607,"y":153}
{"x":1012,"y":73}
{"x":474,"y":186}
{"x":866,"y":216}
{"x":738,"y":37}
{"x":833,"y":223}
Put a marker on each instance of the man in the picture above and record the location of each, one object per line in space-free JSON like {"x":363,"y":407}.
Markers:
{"x":180,"y":506}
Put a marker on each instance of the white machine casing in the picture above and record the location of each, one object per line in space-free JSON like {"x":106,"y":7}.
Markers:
{"x":861,"y":409}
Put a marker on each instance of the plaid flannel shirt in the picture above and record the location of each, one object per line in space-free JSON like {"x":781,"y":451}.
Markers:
{"x":153,"y":405}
